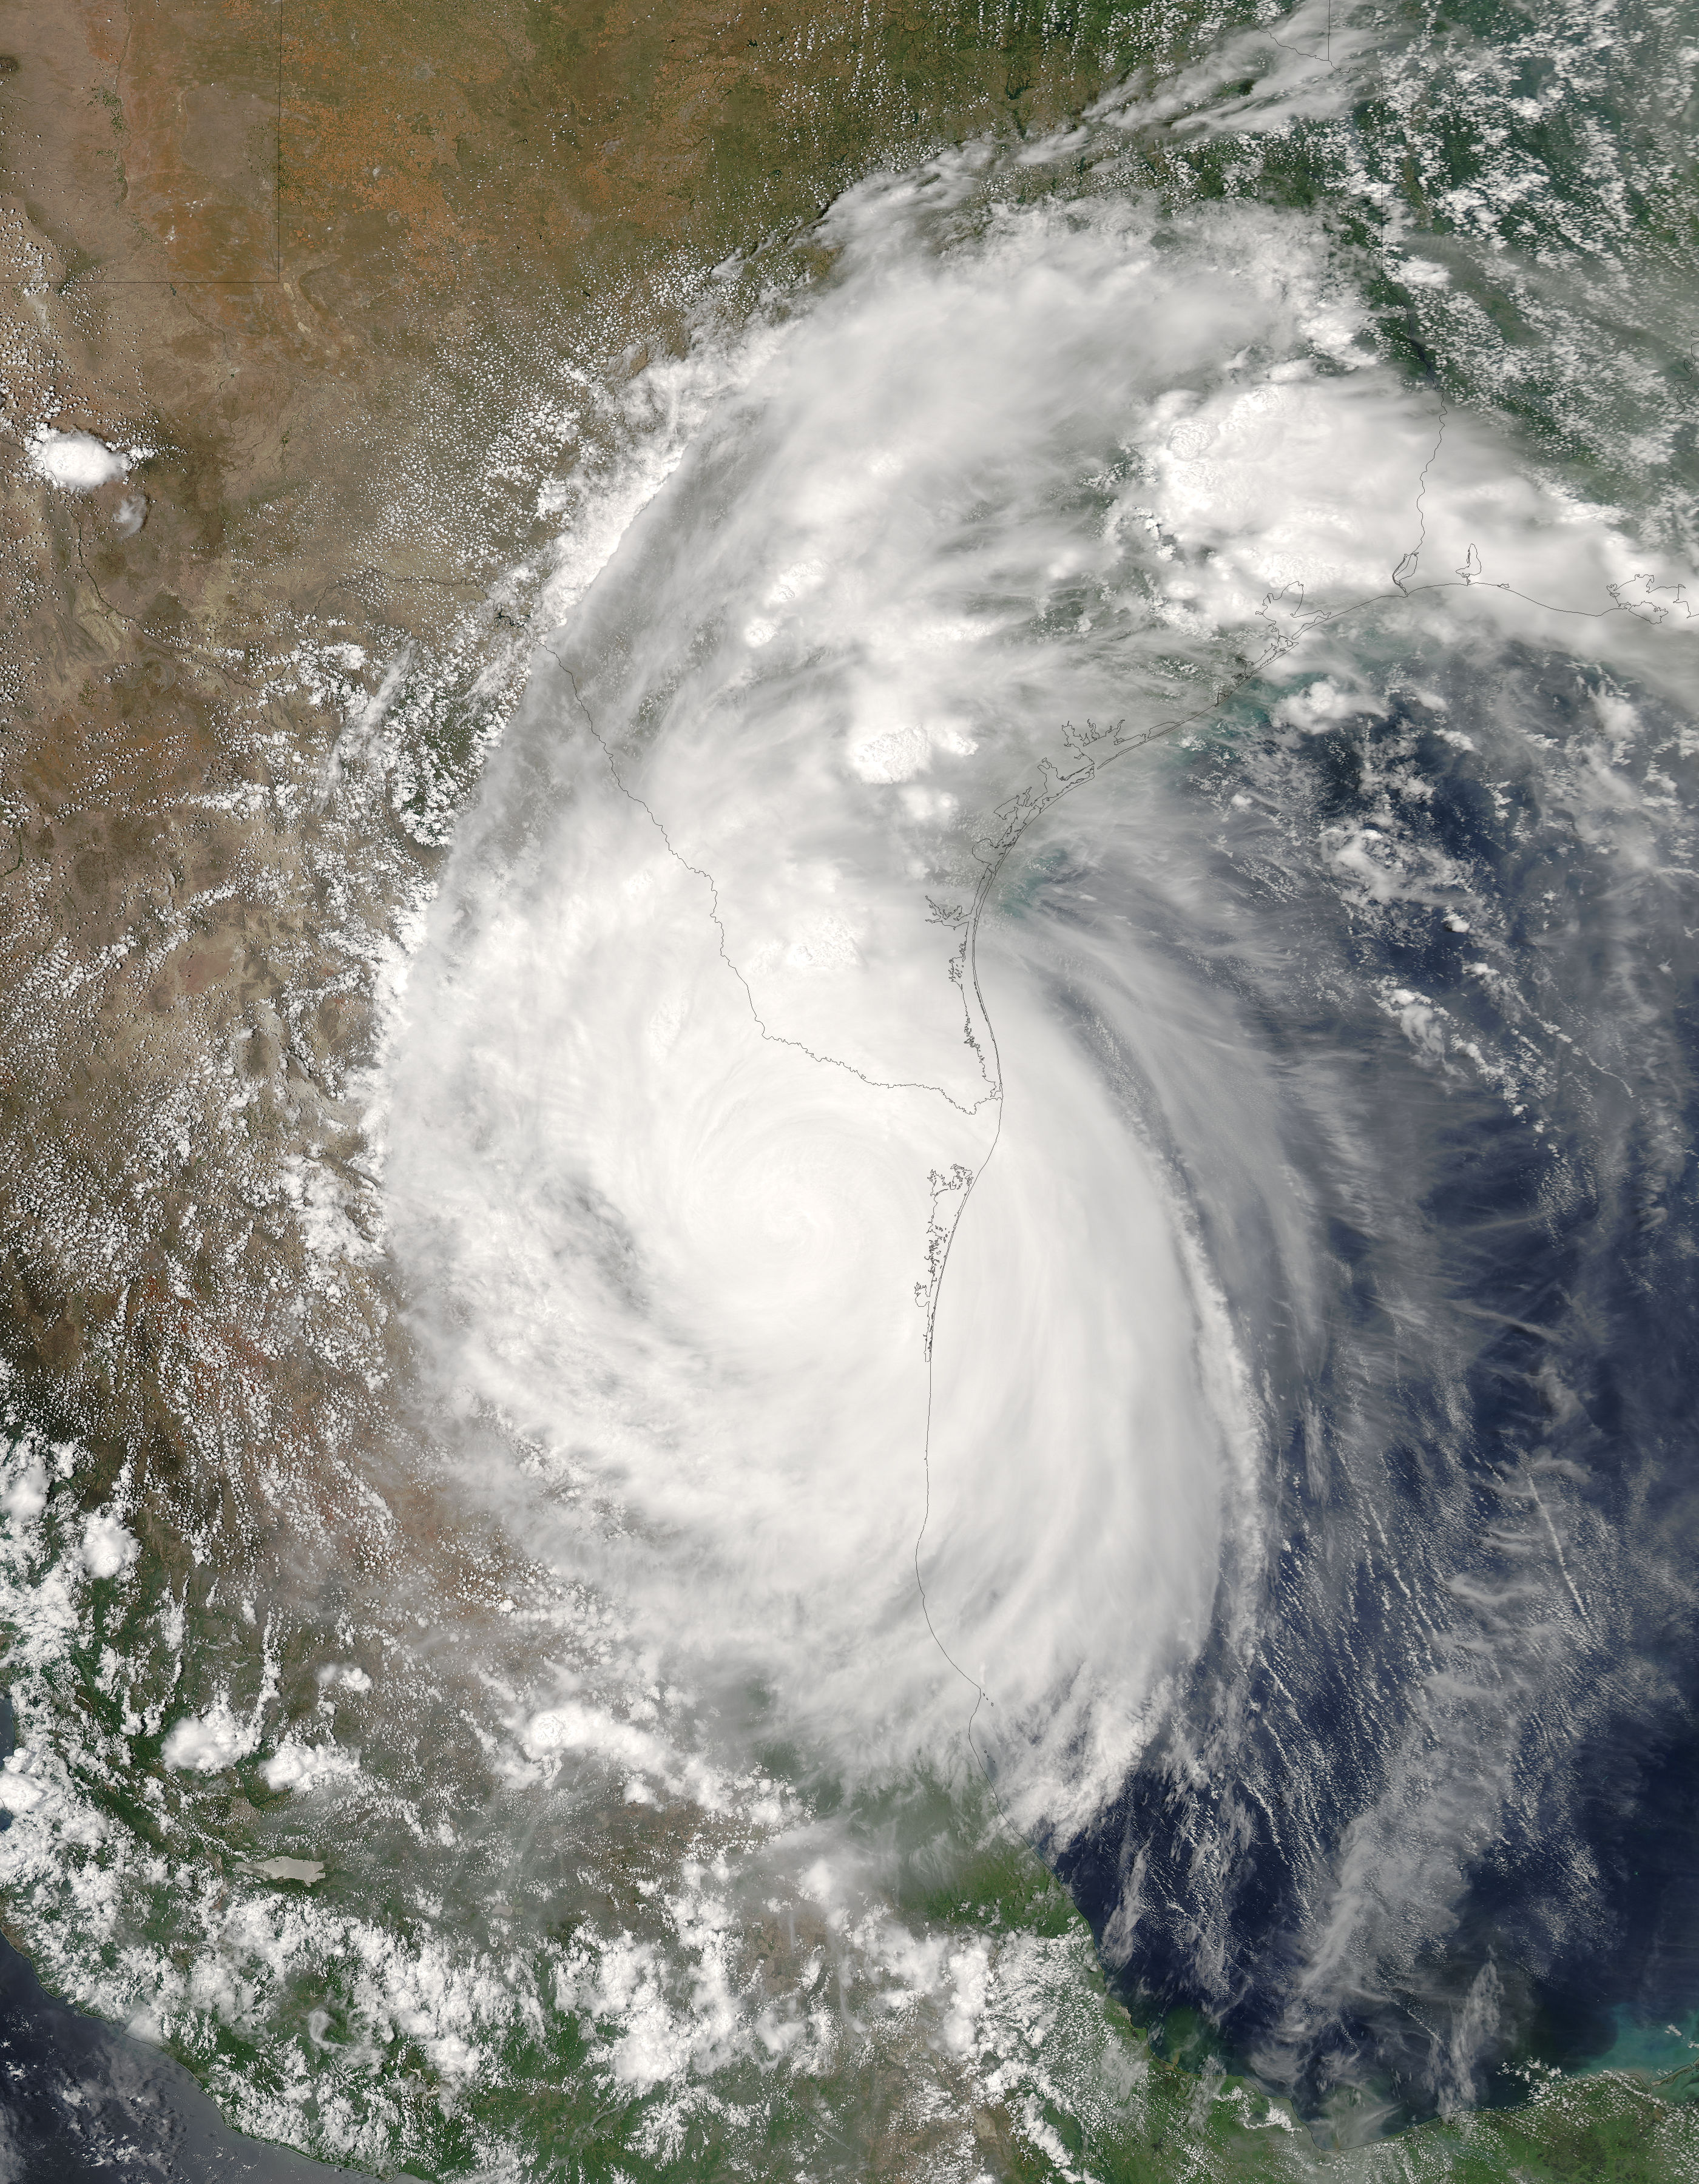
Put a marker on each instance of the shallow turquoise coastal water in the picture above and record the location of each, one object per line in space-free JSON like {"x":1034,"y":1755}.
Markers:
{"x":1040,"y":1150}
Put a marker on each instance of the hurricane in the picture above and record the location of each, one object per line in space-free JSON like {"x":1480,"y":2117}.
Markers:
{"x":995,"y":1108}
{"x":1036,"y":1151}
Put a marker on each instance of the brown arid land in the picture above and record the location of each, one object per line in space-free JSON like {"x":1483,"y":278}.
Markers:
{"x":345,"y":284}
{"x":323,"y":265}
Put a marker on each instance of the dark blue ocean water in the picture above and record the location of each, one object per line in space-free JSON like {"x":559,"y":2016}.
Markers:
{"x":1466,"y":1683}
{"x":80,"y":2099}
{"x":1422,"y":1811}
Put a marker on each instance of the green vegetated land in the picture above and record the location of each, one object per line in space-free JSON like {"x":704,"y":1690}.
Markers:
{"x":1178,"y":2123}
{"x":547,"y":160}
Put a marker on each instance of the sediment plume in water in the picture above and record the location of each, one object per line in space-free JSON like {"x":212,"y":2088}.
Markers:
{"x":1035,"y":1153}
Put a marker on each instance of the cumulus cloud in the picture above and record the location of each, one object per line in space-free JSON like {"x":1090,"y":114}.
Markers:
{"x":208,"y":1744}
{"x":77,"y":462}
{"x":107,"y":1548}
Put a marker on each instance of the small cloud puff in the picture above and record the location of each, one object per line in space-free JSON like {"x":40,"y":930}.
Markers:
{"x":342,"y":1673}
{"x":107,"y":1548}
{"x":208,"y":1746}
{"x":304,"y":1766}
{"x":77,"y":462}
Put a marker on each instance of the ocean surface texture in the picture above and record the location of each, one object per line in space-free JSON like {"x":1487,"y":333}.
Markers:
{"x":1038,"y":1151}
